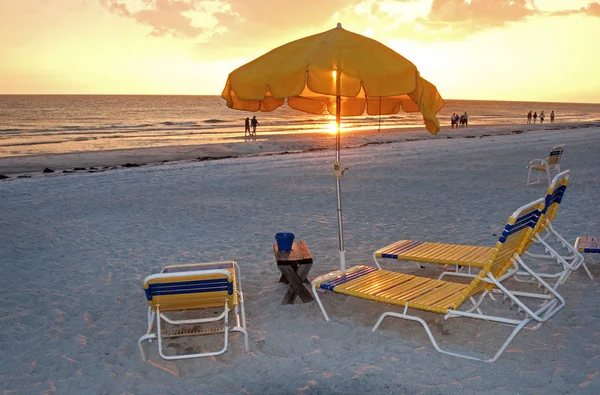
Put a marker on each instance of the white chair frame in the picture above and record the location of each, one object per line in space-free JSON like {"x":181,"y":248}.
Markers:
{"x":552,"y":303}
{"x":569,"y":263}
{"x":157,"y":316}
{"x":547,"y":167}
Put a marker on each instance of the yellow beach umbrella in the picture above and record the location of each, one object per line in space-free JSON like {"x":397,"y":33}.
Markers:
{"x":338,"y":71}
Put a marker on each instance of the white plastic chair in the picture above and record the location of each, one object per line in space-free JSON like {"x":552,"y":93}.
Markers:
{"x":551,"y":163}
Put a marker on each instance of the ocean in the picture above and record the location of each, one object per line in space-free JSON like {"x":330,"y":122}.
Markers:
{"x":44,"y":124}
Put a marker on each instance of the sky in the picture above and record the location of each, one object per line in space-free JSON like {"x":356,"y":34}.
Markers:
{"x":529,"y":50}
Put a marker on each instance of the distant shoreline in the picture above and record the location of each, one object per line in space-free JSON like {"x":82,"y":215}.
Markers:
{"x":272,"y":144}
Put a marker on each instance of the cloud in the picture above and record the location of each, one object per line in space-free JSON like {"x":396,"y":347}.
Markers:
{"x":220,"y":27}
{"x":253,"y":25}
{"x":592,"y":9}
{"x":225,"y":27}
{"x":178,"y":18}
{"x":452,"y":19}
{"x":484,"y":13}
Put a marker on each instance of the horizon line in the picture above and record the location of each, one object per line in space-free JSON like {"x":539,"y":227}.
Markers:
{"x":218,"y":95}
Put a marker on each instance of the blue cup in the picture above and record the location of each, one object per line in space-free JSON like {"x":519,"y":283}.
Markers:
{"x":284,"y":241}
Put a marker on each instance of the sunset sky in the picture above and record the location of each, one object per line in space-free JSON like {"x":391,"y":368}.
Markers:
{"x":536,"y":50}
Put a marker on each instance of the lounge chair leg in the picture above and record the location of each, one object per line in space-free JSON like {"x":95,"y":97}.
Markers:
{"x":150,"y":322}
{"x":437,"y":347}
{"x":586,"y":269}
{"x":149,"y":337}
{"x":376,"y":261}
{"x":318,"y":299}
{"x":529,"y":178}
{"x":158,"y":335}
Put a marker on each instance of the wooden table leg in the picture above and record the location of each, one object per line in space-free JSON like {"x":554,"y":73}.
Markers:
{"x":282,"y":279}
{"x":295,"y":280}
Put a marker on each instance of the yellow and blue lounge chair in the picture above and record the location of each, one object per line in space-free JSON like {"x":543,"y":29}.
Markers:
{"x":544,"y":230}
{"x":552,"y":162}
{"x":469,"y":257}
{"x":445,"y":297}
{"x":194,"y":288}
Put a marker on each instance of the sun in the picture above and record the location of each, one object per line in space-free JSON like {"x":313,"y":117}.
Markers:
{"x":332,"y":127}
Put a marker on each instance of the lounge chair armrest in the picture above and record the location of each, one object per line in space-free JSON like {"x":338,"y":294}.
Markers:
{"x":534,"y":162}
{"x":184,"y":275}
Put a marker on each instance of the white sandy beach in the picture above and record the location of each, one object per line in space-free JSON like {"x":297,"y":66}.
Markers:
{"x":75,"y":248}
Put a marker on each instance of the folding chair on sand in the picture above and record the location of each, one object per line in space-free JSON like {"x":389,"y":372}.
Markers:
{"x":194,"y":288}
{"x":445,"y":297}
{"x":552,"y":162}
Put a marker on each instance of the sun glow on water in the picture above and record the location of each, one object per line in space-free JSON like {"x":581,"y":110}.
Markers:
{"x":332,"y":127}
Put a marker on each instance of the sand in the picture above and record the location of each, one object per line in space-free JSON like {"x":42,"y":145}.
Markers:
{"x":75,"y":248}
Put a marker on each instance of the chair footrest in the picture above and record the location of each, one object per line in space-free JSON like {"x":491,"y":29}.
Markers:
{"x":192,"y":332}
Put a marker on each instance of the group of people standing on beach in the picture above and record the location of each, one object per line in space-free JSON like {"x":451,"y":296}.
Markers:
{"x":251,"y":122}
{"x":460,"y":120}
{"x":534,"y":117}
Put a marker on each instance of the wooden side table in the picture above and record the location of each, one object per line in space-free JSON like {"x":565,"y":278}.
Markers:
{"x":294,"y":266}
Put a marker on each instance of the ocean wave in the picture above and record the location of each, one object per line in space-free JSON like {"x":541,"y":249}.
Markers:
{"x":214,"y":121}
{"x":141,"y":125}
{"x":183,"y":123}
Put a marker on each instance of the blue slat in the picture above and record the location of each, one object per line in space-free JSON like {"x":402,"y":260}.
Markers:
{"x":407,"y":247}
{"x":347,"y":277}
{"x":555,"y":197}
{"x":184,"y":287}
{"x":522,"y":222}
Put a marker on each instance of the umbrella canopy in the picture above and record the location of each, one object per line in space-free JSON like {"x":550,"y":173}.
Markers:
{"x":338,"y":71}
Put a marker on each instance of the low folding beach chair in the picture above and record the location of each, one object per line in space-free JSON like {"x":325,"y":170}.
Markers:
{"x":445,"y":297}
{"x":546,"y":165}
{"x":545,"y":231}
{"x":196,"y":288}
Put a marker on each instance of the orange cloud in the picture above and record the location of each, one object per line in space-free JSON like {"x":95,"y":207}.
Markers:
{"x":179,"y":18}
{"x":211,"y":18}
{"x":458,"y":19}
{"x":115,"y":7}
{"x":481,"y":13}
{"x":225,"y":28}
{"x":592,"y":9}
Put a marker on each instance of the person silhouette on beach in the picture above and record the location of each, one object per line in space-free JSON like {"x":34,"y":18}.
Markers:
{"x":453,"y":120}
{"x":529,"y":117}
{"x":247,"y":127}
{"x":534,"y":117}
{"x":254,"y":124}
{"x":465,"y":116}
{"x":552,"y":117}
{"x":542,"y":116}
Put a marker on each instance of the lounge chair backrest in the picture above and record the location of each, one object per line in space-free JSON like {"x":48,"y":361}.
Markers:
{"x":555,"y":155}
{"x":513,"y":240}
{"x":556,"y":190}
{"x":190,"y":289}
{"x":554,"y":195}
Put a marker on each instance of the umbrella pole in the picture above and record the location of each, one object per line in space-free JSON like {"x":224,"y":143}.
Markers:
{"x":379,"y":127}
{"x":337,"y":173}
